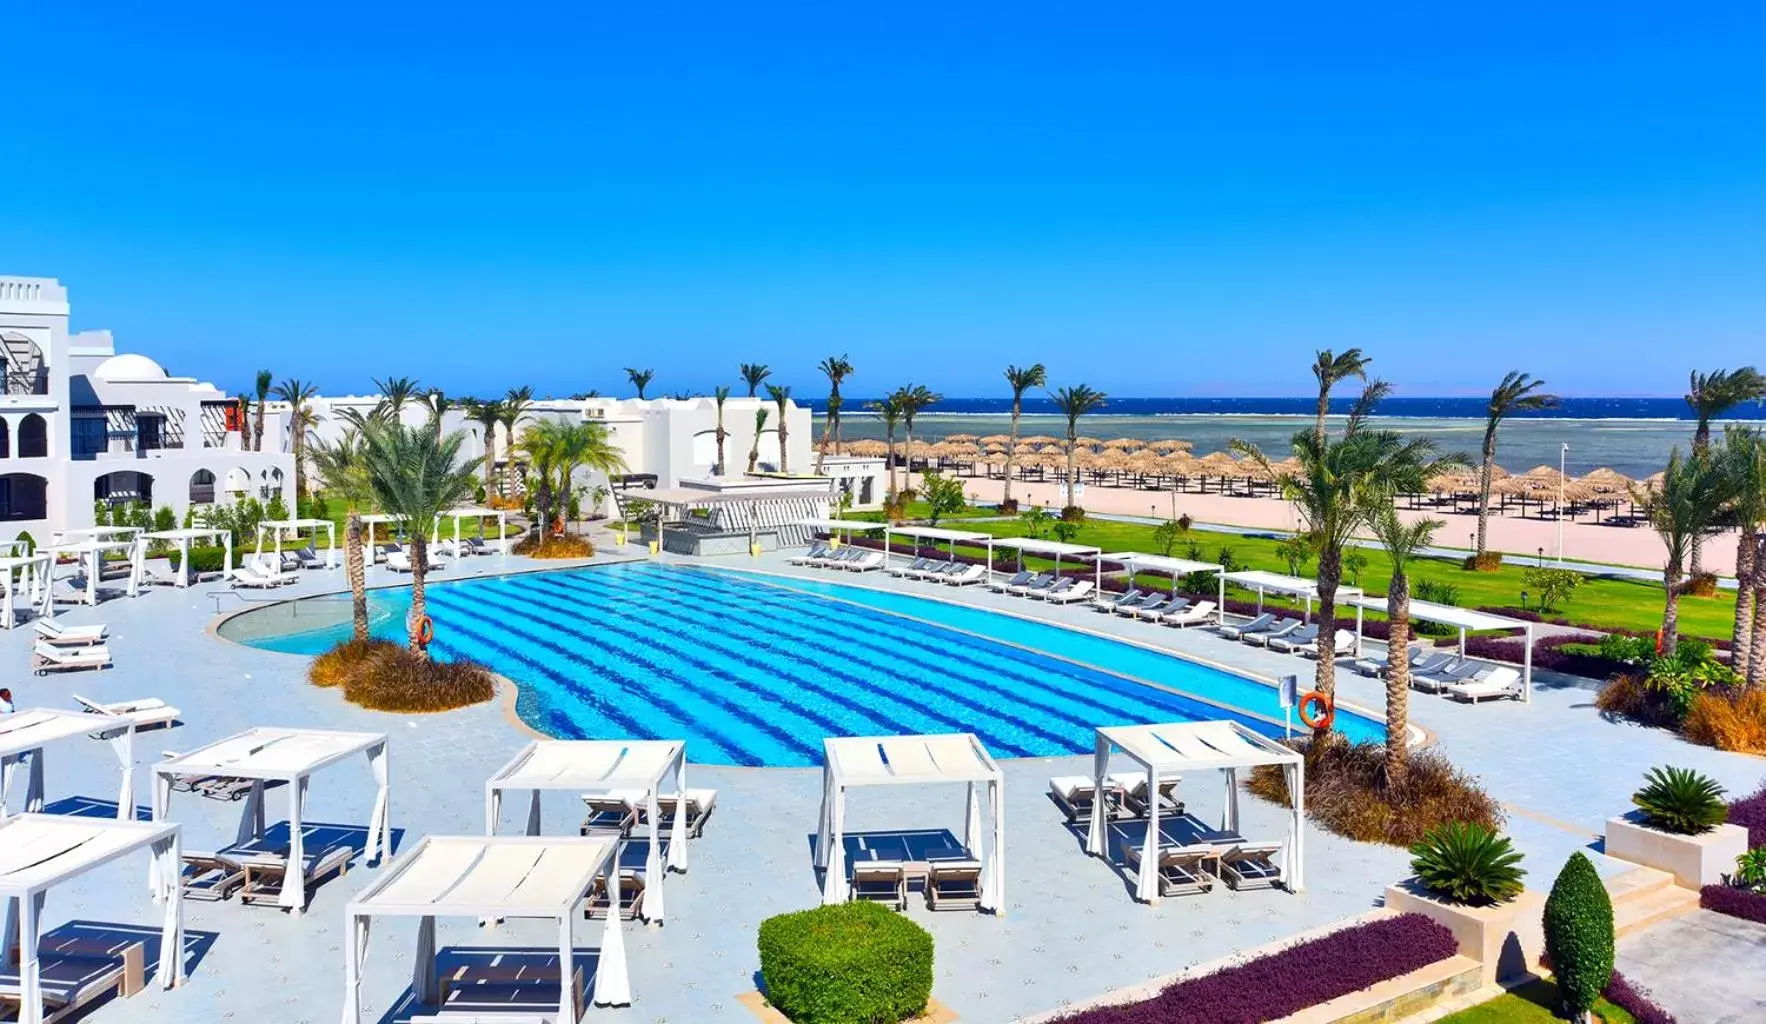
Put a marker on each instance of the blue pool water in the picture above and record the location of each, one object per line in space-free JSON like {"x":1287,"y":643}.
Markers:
{"x":754,"y":671}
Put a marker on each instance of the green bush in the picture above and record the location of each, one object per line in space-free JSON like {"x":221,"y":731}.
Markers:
{"x":1435,"y":591}
{"x":1634,"y":649}
{"x":1073,"y":513}
{"x":1681,"y":801}
{"x":29,"y":541}
{"x":205,"y":559}
{"x":1579,"y":935}
{"x":1554,"y":586}
{"x":846,"y":963}
{"x":1467,"y":863}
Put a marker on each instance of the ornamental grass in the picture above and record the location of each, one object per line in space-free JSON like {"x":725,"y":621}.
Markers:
{"x":1733,"y":720}
{"x":1346,"y":793}
{"x":568,"y":546}
{"x":384,"y":676}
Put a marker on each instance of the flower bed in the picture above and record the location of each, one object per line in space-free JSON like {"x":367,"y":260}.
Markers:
{"x":1285,"y":982}
{"x":1750,"y":813}
{"x":1727,"y":899}
{"x":1547,"y":654}
{"x":1635,"y":1001}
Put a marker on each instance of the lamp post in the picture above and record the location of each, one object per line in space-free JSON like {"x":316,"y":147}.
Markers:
{"x":1541,"y":558}
{"x":1523,"y":600}
{"x":1563,"y":455}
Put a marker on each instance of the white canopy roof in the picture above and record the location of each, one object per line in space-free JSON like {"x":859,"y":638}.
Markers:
{"x":1180,"y":747}
{"x":39,"y":850}
{"x":1046,"y":547}
{"x":293,"y":524}
{"x":35,"y":728}
{"x":1448,"y":614}
{"x":899,"y":760}
{"x":470,"y":512}
{"x":271,"y":753}
{"x":187,"y":533}
{"x":1299,"y":586}
{"x":89,"y":545}
{"x":98,"y":531}
{"x":1160,"y":563}
{"x":380,"y":517}
{"x":938,"y":533}
{"x":841,"y":524}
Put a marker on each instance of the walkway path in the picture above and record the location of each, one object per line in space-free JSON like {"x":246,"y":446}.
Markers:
{"x":1705,"y":968}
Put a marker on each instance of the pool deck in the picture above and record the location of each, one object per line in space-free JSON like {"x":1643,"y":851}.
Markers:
{"x":1070,"y":930}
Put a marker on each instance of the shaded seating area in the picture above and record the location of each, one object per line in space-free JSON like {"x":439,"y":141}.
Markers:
{"x":1163,"y":859}
{"x":278,"y":528}
{"x":87,"y":548}
{"x":1134,"y":562}
{"x":490,"y":878}
{"x":1056,"y":550}
{"x":33,"y":574}
{"x":969,"y":876}
{"x":26,"y":734}
{"x":52,"y":976}
{"x":624,"y":782}
{"x":460,"y":548}
{"x":183,"y":576}
{"x":278,"y":865}
{"x":1465,"y":620}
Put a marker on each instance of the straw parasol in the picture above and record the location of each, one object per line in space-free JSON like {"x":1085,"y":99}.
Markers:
{"x":960,"y":438}
{"x":1606,"y":481}
{"x":868,"y":449}
{"x":992,"y":439}
{"x":1123,"y":442}
{"x":1288,"y":467}
{"x":1148,"y":463}
{"x":1039,"y":439}
{"x":1170,"y":444}
{"x":1220,"y":464}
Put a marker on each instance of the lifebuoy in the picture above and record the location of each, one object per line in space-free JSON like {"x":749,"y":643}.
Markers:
{"x":1327,"y":712}
{"x":426,"y":630}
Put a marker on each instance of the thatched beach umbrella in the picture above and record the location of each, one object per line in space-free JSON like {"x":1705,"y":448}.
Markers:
{"x":960,"y":438}
{"x":868,"y":449}
{"x":1122,"y":443}
{"x":1220,"y":464}
{"x":1606,"y":481}
{"x":1170,"y":444}
{"x":1040,"y":439}
{"x":999,"y":439}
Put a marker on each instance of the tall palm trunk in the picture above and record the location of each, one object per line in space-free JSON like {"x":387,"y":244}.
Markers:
{"x":354,"y":568}
{"x":1011,"y":452}
{"x":722,"y":466}
{"x":890,"y":460}
{"x":1397,"y":680}
{"x":1747,"y":570}
{"x":1757,"y":644}
{"x":511,"y":474}
{"x":419,"y":574}
{"x":1671,"y":611}
{"x":1330,"y":574}
{"x":784,"y":439}
{"x":1484,"y":473}
{"x":490,"y":459}
{"x":1072,"y":468}
{"x":257,"y":427}
{"x":1701,"y":448}
{"x":907,"y":458}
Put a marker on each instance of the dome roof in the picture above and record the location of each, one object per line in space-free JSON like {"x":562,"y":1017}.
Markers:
{"x":129,"y":367}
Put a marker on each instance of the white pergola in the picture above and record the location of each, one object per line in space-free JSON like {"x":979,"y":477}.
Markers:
{"x":184,"y":538}
{"x":34,"y":573}
{"x":936,"y":534}
{"x":277,"y":527}
{"x":846,"y":526}
{"x":1135,"y":561}
{"x":91,"y":552}
{"x":39,"y":851}
{"x":1465,"y":619}
{"x":491,"y":877}
{"x":1293,"y":586}
{"x":1053,"y":548}
{"x":291,"y":756}
{"x":373,"y":519}
{"x":853,"y":761}
{"x":602,"y":766}
{"x":457,"y":514}
{"x":1165,"y":751}
{"x":25,"y":733}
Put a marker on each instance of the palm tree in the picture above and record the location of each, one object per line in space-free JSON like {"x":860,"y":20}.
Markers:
{"x":395,"y":392}
{"x":1689,"y":503}
{"x":301,"y":418}
{"x":720,"y":395}
{"x":759,"y":427}
{"x":1403,"y":542}
{"x":1074,"y":402}
{"x":781,"y":397}
{"x":438,"y":403}
{"x":487,"y":415}
{"x":890,"y":409}
{"x":1518,"y":392}
{"x":912,"y":399}
{"x":1331,"y":370}
{"x":836,"y":369}
{"x":263,"y":393}
{"x":1020,"y":380}
{"x":343,"y":471}
{"x":640,"y":379}
{"x":514,"y":408}
{"x":753,"y":374}
{"x":1338,"y":484}
{"x":556,"y":450}
{"x":1743,"y":460}
{"x":416,"y":474}
{"x":1710,"y":395}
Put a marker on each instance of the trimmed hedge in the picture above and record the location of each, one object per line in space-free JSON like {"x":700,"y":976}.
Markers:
{"x":1579,"y":935}
{"x":1636,"y":1001}
{"x":1750,"y":811}
{"x":1307,"y":974}
{"x":1727,"y":899}
{"x":846,"y":963}
{"x":204,"y":559}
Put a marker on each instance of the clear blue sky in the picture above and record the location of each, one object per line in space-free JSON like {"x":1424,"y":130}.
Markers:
{"x":1158,"y":198}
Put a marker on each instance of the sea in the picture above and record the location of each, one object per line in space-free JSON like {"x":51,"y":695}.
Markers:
{"x":1631,"y":435}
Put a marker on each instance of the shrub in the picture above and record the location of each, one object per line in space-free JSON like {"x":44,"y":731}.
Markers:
{"x":1290,"y":980}
{"x":1702,"y":585}
{"x":846,"y":963}
{"x":1750,"y":813}
{"x":1728,"y":720}
{"x":1630,"y":696}
{"x":1579,"y":935}
{"x":1073,"y":513}
{"x":385,"y":676}
{"x":1636,"y":1001}
{"x":1681,"y":801}
{"x":1008,"y":507}
{"x":165,"y":519}
{"x":1066,"y":529}
{"x":1468,"y":864}
{"x":1750,"y":870}
{"x":29,"y":541}
{"x":536,"y":545}
{"x":1437,"y":591}
{"x":1555,"y":587}
{"x":1727,"y":899}
{"x":1635,"y":650}
{"x":944,"y":495}
{"x":1489,"y":561}
{"x":206,"y":559}
{"x":1346,"y":792}
{"x":1035,"y":520}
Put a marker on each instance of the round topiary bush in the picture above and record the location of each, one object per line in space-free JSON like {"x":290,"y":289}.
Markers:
{"x":1579,"y":935}
{"x":846,"y":963}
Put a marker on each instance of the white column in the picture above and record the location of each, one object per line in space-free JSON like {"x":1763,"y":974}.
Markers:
{"x":425,"y":984}
{"x":1527,"y":668}
{"x":122,"y":743}
{"x":1297,"y":787}
{"x":654,"y":903}
{"x":227,"y":553}
{"x":251,"y":815}
{"x":355,"y":952}
{"x":294,"y":879}
{"x":993,"y":894}
{"x":168,"y":858}
{"x":567,"y":1007}
{"x":493,"y":804}
{"x":34,"y":785}
{"x":6,"y":606}
{"x":834,"y":881}
{"x":1230,"y":816}
{"x":677,"y":840}
{"x":1095,"y":841}
{"x":379,"y":823}
{"x":137,"y":565}
{"x":533,"y":813}
{"x":972,"y":821}
{"x":822,"y":819}
{"x":1147,"y":888}
{"x":30,"y":986}
{"x":331,"y":535}
{"x":94,"y":564}
{"x":613,"y":986}
{"x":503,"y":534}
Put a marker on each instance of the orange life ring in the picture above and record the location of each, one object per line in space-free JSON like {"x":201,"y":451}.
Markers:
{"x":1327,"y":711}
{"x":426,"y":630}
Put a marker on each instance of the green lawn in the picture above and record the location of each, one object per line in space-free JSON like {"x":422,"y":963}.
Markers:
{"x":1535,"y":1001}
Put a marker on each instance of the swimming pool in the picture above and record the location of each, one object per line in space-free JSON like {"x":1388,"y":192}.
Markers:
{"x":758,"y":670}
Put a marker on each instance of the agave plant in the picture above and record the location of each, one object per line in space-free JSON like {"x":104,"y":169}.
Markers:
{"x":1468,"y":864}
{"x":1681,"y":801}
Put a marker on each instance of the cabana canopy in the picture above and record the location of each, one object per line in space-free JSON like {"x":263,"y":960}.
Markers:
{"x":1465,"y":619}
{"x":935,"y":534}
{"x":843,"y":525}
{"x":267,"y":754}
{"x":27,"y":732}
{"x":277,"y":526}
{"x":602,"y":766}
{"x":1295,"y":586}
{"x":492,"y":877}
{"x":1175,"y":748}
{"x":1048,"y":547}
{"x":35,"y":571}
{"x":91,"y":552}
{"x":1177,"y":567}
{"x":183,"y":538}
{"x":473,"y":512}
{"x":39,"y":851}
{"x":852,"y":761}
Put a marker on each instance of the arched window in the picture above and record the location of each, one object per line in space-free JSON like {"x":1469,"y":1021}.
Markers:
{"x":5,"y":440}
{"x":202,"y":488}
{"x":23,"y":496}
{"x":124,"y":487}
{"x":33,"y":437}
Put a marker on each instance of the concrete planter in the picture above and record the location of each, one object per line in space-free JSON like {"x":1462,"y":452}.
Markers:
{"x":1694,"y":861}
{"x":1508,"y":940}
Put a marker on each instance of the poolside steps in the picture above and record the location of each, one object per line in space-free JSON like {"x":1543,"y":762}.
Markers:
{"x":1644,"y":896}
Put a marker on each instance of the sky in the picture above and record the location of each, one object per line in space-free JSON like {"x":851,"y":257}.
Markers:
{"x":1150,"y":198}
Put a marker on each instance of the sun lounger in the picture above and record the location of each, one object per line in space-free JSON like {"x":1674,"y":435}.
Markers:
{"x":475,"y":546}
{"x":69,"y":982}
{"x":1017,"y":579}
{"x":1251,"y":866}
{"x":880,"y":881}
{"x":867,"y":562}
{"x":308,"y":558}
{"x":1074,"y":794}
{"x":1293,"y":641}
{"x":1343,"y":643}
{"x":1133,"y":608}
{"x":70,"y":636}
{"x":1182,"y":869}
{"x":1154,"y":612}
{"x":1277,"y":629}
{"x":912,"y":567}
{"x":503,"y":986}
{"x":700,"y":804}
{"x":953,"y":885}
{"x":1238,"y":632}
{"x":47,"y":658}
{"x":1108,"y":602}
{"x":247,"y":576}
{"x":1497,"y":682}
{"x":1060,"y":586}
{"x":608,"y":815}
{"x":1077,"y":592}
{"x":265,"y":872}
{"x":631,"y":897}
{"x":1193,"y":616}
{"x":398,"y":561}
{"x":1041,"y":581}
{"x":815,"y":551}
{"x":146,"y":712}
{"x":1134,"y":785}
{"x":210,"y":876}
{"x":936,"y":571}
{"x":214,"y":787}
{"x":967,"y":576}
{"x":1378,"y":664}
{"x":1458,"y":670}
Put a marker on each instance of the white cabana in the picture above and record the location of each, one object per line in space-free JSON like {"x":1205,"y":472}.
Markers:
{"x":81,"y":534}
{"x":601,"y":766}
{"x":34,"y":571}
{"x":373,"y":519}
{"x":40,"y":851}
{"x":90,"y":553}
{"x":184,"y":538}
{"x":1293,"y":586}
{"x":831,"y":527}
{"x":936,"y":534}
{"x":1135,"y":561}
{"x":457,"y":514}
{"x":277,"y":527}
{"x":1165,"y":751}
{"x":1053,"y":548}
{"x":1465,"y":619}
{"x":268,"y":755}
{"x":853,"y":761}
{"x":25,"y":733}
{"x":491,"y":877}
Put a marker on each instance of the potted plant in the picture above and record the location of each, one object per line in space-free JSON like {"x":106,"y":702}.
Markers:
{"x":1680,"y":826}
{"x":1468,"y":878}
